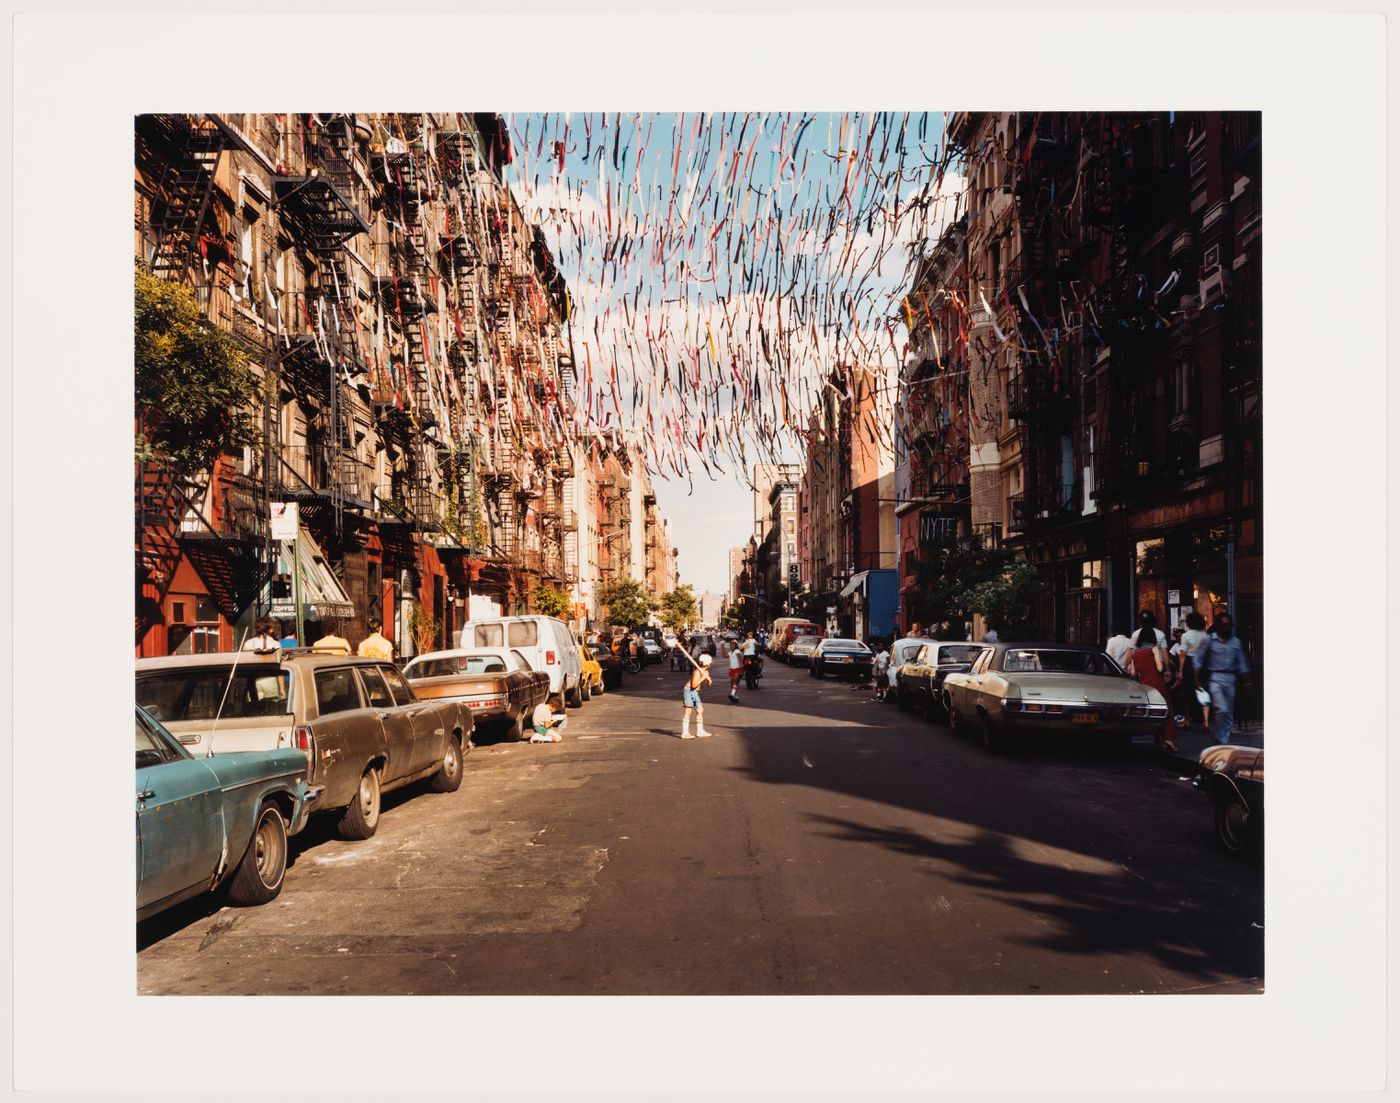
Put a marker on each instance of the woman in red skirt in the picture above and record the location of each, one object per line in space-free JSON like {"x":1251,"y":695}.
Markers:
{"x":1149,"y":663}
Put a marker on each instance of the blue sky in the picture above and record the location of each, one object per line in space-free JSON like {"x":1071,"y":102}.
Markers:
{"x":719,"y":265}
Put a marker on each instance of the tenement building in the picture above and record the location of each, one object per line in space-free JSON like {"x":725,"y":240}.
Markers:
{"x":1113,"y":360}
{"x":406,"y":325}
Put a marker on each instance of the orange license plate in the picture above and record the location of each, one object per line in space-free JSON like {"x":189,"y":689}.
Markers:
{"x":1085,"y":718}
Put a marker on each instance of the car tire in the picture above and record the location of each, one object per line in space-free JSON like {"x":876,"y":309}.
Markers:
{"x":1233,"y":826}
{"x":586,"y":690}
{"x":514,"y":731}
{"x":360,"y":819}
{"x":263,"y":867}
{"x":448,"y":779}
{"x":574,"y":696}
{"x":993,"y":739}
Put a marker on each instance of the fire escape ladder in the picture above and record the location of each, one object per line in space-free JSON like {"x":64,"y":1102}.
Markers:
{"x":187,"y":189}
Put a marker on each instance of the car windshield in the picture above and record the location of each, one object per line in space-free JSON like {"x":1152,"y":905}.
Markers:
{"x":451,"y":665}
{"x":959,"y":652}
{"x":258,"y":689}
{"x":844,"y":645}
{"x":1026,"y":660}
{"x":804,"y":629}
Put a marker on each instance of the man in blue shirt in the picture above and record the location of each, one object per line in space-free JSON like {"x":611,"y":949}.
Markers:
{"x":1218,"y":661}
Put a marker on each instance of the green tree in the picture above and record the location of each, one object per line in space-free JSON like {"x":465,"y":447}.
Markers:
{"x":552,"y":602}
{"x":679,"y":608}
{"x":628,"y":602}
{"x":813,"y":604}
{"x":943,"y":576}
{"x":1008,"y":602}
{"x":196,"y":392}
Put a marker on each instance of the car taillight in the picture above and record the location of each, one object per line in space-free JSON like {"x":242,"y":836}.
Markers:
{"x":1032,"y":706}
{"x":1011,"y":706}
{"x":1118,"y":710}
{"x":549,"y":658}
{"x":1055,"y":708}
{"x":305,"y":741}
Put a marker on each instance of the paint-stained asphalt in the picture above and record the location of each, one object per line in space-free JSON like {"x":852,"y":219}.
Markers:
{"x":817,"y":843}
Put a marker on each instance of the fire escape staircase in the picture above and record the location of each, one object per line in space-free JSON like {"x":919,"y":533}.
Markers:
{"x":187,"y":189}
{"x":231,"y":569}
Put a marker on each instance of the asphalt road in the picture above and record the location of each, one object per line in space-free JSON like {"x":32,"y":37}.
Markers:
{"x":818,"y":843}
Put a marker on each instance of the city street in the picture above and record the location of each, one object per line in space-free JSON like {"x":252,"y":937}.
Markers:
{"x":818,"y":843}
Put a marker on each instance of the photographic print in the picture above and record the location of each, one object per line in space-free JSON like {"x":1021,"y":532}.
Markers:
{"x":699,"y":553}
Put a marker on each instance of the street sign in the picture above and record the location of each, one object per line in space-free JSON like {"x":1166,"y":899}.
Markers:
{"x":283,"y":520}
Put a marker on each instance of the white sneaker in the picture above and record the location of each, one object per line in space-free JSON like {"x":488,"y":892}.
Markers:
{"x":687,"y":735}
{"x":703,"y":734}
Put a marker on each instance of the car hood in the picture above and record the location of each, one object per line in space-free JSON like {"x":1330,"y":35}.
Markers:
{"x":1070,"y":687}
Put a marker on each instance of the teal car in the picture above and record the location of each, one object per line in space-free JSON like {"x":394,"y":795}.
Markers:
{"x":209,"y":823}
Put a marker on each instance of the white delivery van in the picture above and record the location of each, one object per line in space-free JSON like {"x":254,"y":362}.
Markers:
{"x":547,"y":642}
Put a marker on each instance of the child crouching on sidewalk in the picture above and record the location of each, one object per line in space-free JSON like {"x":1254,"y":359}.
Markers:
{"x":548,"y":724}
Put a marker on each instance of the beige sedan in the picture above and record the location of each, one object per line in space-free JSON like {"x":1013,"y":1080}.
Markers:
{"x":1026,"y":689}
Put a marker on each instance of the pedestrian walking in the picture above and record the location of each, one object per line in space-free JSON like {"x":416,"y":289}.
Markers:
{"x":332,"y":641}
{"x":375,"y":646}
{"x":264,"y":643}
{"x":882,"y":672}
{"x":736,"y":671}
{"x":1194,"y":694}
{"x":1220,"y":660}
{"x":699,"y":678}
{"x":289,"y":635}
{"x":1119,"y":646}
{"x":1148,"y":663}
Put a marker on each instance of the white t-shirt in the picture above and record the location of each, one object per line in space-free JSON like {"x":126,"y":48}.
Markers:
{"x":1119,"y":647}
{"x":749,"y":646}
{"x":735,"y":659}
{"x":882,"y":662}
{"x":543,"y":715}
{"x":267,"y":644}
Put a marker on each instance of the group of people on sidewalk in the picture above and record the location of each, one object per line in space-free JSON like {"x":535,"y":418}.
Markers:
{"x":1197,"y":673}
{"x":373,"y":646}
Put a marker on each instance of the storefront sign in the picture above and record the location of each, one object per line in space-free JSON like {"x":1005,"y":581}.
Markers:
{"x":1173,"y":597}
{"x":937,"y":528}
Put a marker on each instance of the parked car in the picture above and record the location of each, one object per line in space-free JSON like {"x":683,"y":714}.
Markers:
{"x":611,"y":664}
{"x":592,"y":673}
{"x":707,"y":642}
{"x":650,"y":650}
{"x":1027,"y":689}
{"x":497,"y":684}
{"x":360,"y":727}
{"x":902,"y":651}
{"x":842,"y":658}
{"x":669,"y":639}
{"x":1233,"y":777}
{"x":786,"y":637}
{"x":547,"y":644}
{"x":921,"y":681}
{"x":213,"y":823}
{"x":800,"y":653}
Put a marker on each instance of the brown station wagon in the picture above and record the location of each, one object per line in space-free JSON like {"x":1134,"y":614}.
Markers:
{"x":497,"y":684}
{"x":362,"y":728}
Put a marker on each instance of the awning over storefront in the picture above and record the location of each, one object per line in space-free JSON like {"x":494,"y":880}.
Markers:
{"x":322,"y":595}
{"x":857,"y":583}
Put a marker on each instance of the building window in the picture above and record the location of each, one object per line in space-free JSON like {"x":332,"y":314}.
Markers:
{"x":194,"y":625}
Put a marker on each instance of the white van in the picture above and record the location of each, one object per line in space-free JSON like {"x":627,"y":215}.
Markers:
{"x":547,"y":642}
